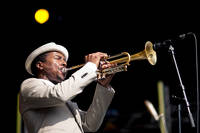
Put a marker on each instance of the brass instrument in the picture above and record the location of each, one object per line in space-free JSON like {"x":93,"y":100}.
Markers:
{"x":148,"y":53}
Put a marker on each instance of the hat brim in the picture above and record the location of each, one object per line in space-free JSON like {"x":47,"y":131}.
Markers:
{"x":42,"y":49}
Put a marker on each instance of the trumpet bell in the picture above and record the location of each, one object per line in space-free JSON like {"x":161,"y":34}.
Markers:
{"x":150,"y":53}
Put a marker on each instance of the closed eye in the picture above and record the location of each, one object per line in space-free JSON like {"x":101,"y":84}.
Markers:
{"x":58,"y":57}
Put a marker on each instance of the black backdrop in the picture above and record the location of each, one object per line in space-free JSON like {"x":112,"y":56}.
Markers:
{"x":110,"y":28}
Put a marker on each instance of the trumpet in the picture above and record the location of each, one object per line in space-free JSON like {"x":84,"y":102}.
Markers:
{"x":121,"y":64}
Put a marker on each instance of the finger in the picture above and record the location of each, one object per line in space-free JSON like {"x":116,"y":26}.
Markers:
{"x":86,"y":58}
{"x":106,"y":66}
{"x":102,"y":55}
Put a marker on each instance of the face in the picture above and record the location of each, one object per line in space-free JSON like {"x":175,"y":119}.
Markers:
{"x":51,"y":69}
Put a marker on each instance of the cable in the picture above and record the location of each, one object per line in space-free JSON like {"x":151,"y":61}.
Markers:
{"x":197,"y":78}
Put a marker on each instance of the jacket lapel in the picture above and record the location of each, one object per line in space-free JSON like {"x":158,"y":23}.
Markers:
{"x":73,"y":107}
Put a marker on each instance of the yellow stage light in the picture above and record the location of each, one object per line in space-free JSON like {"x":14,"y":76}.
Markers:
{"x":41,"y":16}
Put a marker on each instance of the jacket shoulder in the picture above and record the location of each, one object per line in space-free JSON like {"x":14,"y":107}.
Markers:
{"x":29,"y":80}
{"x":30,"y":83}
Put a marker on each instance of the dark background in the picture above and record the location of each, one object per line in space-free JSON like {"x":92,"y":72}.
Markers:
{"x":112,"y":28}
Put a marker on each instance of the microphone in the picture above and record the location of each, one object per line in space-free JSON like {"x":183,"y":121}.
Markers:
{"x":163,"y":44}
{"x":183,"y":36}
{"x":168,"y":42}
{"x":155,"y":115}
{"x":152,"y":110}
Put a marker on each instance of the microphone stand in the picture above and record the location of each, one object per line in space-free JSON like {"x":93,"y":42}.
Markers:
{"x":179,"y":117}
{"x":183,"y":89}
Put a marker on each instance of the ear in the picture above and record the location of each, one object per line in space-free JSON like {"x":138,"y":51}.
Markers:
{"x":40,"y":65}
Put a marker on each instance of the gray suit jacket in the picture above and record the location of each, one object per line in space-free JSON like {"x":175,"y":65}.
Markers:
{"x":47,"y":108}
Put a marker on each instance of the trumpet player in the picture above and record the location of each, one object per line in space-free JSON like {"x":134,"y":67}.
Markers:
{"x":46,"y":104}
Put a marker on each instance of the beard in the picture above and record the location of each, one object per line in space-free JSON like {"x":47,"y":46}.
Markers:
{"x":60,"y":78}
{"x":56,"y":76}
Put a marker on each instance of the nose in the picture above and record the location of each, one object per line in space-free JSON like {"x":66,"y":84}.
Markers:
{"x":64,"y":63}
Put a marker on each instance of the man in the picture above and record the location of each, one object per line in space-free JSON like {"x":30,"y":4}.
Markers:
{"x":45,"y":101}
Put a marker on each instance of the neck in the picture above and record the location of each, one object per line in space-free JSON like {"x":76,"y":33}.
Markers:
{"x":43,"y":76}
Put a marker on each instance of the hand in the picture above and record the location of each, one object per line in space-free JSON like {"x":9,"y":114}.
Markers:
{"x":95,"y":57}
{"x":106,"y":81}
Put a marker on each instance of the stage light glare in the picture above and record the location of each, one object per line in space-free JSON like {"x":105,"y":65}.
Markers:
{"x":41,"y":16}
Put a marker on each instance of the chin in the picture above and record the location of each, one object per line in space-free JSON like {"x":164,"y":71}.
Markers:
{"x":60,"y":78}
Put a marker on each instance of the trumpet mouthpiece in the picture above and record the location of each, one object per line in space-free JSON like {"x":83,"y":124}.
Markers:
{"x":64,"y":70}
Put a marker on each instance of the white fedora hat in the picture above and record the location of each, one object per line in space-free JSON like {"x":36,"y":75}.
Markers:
{"x":42,"y":49}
